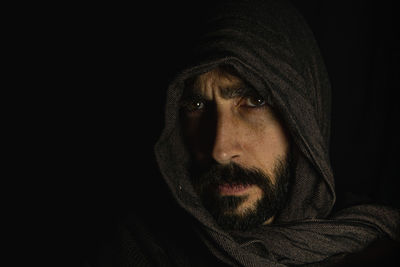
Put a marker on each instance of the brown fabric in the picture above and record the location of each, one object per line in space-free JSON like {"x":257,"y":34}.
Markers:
{"x":269,"y":44}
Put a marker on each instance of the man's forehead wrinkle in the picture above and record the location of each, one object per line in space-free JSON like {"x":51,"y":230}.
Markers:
{"x":218,"y":83}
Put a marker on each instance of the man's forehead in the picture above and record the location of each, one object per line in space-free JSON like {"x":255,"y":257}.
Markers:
{"x":221,"y":80}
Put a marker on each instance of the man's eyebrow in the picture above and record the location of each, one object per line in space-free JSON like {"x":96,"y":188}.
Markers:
{"x":239,"y":90}
{"x":228,"y":92}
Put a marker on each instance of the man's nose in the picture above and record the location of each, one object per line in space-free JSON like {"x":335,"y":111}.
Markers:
{"x":226,"y":147}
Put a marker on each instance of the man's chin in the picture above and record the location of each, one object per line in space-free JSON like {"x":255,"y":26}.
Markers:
{"x":240,"y":219}
{"x":238,"y":199}
{"x":245,"y":209}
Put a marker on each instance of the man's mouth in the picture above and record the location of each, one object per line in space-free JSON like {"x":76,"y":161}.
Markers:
{"x":232,"y":189}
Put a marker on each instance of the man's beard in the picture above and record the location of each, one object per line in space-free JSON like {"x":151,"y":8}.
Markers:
{"x":224,"y":207}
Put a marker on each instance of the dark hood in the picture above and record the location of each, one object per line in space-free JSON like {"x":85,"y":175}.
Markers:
{"x":270,"y":46}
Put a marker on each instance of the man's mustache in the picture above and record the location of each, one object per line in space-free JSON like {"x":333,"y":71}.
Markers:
{"x":232,"y":173}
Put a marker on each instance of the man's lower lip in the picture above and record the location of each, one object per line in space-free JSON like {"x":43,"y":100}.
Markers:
{"x":229,"y":189}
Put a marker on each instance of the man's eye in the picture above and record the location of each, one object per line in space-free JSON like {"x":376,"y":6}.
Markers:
{"x":254,"y":102}
{"x":194,"y":106}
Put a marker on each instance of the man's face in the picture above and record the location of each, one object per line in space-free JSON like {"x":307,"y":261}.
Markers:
{"x":239,"y":149}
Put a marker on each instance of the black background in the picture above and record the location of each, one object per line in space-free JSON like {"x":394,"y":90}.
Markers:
{"x":118,"y":62}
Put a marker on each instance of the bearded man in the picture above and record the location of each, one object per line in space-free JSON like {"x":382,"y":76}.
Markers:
{"x":245,"y":151}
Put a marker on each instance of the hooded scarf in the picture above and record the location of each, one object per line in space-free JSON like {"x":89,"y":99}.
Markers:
{"x":270,"y":46}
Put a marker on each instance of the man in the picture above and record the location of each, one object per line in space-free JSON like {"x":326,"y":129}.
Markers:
{"x":245,"y":152}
